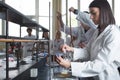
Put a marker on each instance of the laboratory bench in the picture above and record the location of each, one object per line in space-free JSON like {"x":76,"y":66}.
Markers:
{"x":24,"y":72}
{"x":34,"y":70}
{"x":60,"y":73}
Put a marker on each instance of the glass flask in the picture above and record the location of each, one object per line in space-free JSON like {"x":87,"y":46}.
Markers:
{"x":59,"y":71}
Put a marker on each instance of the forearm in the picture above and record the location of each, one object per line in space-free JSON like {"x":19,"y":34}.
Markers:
{"x":61,"y":23}
{"x":87,"y":69}
{"x":80,"y":53}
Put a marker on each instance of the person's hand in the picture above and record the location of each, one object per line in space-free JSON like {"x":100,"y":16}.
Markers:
{"x":71,"y":9}
{"x":59,"y":16}
{"x":65,"y":48}
{"x":63,"y":62}
{"x":82,"y":44}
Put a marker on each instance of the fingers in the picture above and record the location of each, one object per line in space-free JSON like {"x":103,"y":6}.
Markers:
{"x":82,"y":44}
{"x":65,"y":48}
{"x":63,"y":62}
{"x":59,"y":59}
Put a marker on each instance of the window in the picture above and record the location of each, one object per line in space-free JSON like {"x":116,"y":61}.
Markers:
{"x":84,"y":5}
{"x":44,"y":12}
{"x":27,"y":7}
{"x":14,"y":29}
{"x":71,"y":3}
{"x":44,"y":19}
{"x":117,"y":11}
{"x":66,"y":15}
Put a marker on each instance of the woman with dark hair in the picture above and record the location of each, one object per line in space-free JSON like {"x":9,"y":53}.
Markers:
{"x":27,"y":46}
{"x":101,"y":57}
{"x":57,"y":42}
{"x":45,"y":35}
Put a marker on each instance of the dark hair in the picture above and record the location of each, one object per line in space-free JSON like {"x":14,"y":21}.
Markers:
{"x":106,"y":15}
{"x":86,"y":12}
{"x":43,"y":35}
{"x":29,"y":29}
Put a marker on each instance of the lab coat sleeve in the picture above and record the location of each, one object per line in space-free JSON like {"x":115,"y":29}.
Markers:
{"x":107,"y":55}
{"x":74,"y":30}
{"x":88,"y":68}
{"x":85,"y":18}
{"x":80,"y":53}
{"x":89,"y":34}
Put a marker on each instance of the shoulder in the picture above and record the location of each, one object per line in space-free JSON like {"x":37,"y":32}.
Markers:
{"x":112,"y":32}
{"x":113,"y":29}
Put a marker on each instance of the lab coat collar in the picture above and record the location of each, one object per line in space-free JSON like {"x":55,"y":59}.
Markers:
{"x":104,"y":31}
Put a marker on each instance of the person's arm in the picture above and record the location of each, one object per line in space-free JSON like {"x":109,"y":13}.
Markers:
{"x":62,"y":62}
{"x":85,"y":18}
{"x":85,"y":26}
{"x":79,"y":53}
{"x":65,"y":28}
{"x":59,"y":18}
{"x":106,"y":55}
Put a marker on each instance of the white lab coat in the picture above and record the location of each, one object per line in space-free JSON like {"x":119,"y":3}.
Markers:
{"x":28,"y":46}
{"x":85,"y":18}
{"x":76,"y":31}
{"x":79,"y":31}
{"x":102,"y":56}
{"x":74,"y":42}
